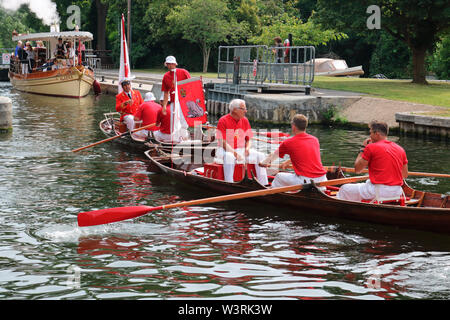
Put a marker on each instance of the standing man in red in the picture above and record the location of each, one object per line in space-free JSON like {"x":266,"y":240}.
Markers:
{"x":148,"y":113}
{"x":127,"y":103}
{"x":168,"y":81}
{"x":387,"y":163}
{"x":233,"y":136}
{"x":304,"y":152}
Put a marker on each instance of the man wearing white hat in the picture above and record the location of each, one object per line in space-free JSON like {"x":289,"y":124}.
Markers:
{"x":148,"y":113}
{"x":168,"y":83}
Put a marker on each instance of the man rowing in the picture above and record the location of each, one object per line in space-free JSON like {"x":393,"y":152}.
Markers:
{"x":387,"y":164}
{"x":233,"y":136}
{"x":304,"y":156}
{"x":127,"y":103}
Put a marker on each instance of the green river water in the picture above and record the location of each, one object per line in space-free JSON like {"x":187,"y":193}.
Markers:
{"x":235,"y":250}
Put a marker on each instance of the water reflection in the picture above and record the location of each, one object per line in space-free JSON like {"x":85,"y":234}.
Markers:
{"x":228,"y":250}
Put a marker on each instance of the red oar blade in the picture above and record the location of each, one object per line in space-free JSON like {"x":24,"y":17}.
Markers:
{"x":103,"y":216}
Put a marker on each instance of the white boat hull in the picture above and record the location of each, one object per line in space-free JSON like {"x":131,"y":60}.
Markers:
{"x":66,"y":82}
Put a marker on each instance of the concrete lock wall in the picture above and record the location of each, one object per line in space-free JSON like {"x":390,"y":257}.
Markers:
{"x":5,"y":114}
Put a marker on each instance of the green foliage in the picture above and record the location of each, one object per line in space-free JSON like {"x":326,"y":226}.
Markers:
{"x":22,"y":20}
{"x":417,"y":23}
{"x":440,"y":60}
{"x":309,"y":33}
{"x":205,"y":23}
{"x":391,"y":58}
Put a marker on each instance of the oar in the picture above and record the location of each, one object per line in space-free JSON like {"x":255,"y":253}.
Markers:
{"x":103,"y":216}
{"x":115,"y":137}
{"x":268,"y":141}
{"x":275,"y":134}
{"x":410,"y":173}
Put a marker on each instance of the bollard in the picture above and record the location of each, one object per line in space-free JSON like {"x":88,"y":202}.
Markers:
{"x":5,"y":114}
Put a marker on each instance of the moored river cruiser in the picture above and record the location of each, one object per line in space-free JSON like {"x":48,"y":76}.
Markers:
{"x":58,"y":67}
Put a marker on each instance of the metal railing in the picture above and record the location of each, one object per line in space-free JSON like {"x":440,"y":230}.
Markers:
{"x":257,"y":64}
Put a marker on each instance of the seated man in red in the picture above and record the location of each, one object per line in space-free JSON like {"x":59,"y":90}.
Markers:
{"x":388,"y":166}
{"x":127,"y":103}
{"x":304,"y":153}
{"x":233,"y":136}
{"x":148,"y":113}
{"x":163,"y":121}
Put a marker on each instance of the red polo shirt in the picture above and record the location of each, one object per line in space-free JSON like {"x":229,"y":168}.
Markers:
{"x":304,"y":152}
{"x":386,"y":160}
{"x":168,"y":84}
{"x":165,"y":120}
{"x":148,"y":113}
{"x":235,"y":132}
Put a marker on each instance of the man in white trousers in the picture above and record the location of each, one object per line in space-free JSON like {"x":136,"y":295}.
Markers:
{"x":304,"y":156}
{"x":234,"y":135}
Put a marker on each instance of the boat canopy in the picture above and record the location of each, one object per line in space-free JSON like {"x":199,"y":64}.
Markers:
{"x":47,"y":36}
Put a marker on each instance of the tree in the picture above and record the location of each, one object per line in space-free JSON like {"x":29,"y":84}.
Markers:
{"x":204,"y":22}
{"x":309,"y":33}
{"x":417,"y":23}
{"x":440,"y":61}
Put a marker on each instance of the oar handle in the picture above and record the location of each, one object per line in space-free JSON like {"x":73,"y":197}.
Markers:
{"x":410,"y":173}
{"x":115,"y":137}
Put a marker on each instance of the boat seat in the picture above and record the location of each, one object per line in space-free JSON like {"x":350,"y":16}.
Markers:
{"x":402,"y":201}
{"x":215,"y":171}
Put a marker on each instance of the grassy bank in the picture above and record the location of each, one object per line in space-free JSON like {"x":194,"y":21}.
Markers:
{"x":436,"y":93}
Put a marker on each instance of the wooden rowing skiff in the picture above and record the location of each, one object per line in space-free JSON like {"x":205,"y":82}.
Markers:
{"x":111,"y":126}
{"x":422,"y":211}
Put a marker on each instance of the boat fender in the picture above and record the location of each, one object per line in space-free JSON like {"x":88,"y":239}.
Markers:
{"x":97,"y":88}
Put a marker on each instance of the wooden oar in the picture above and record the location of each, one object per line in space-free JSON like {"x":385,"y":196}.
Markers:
{"x":275,"y":134}
{"x":103,"y":216}
{"x":410,"y":173}
{"x":115,"y":137}
{"x":268,"y":141}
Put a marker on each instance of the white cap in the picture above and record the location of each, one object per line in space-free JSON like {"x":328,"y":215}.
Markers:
{"x":149,"y":97}
{"x":170,"y":59}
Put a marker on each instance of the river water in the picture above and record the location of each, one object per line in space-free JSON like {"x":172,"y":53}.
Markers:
{"x":236,"y":250}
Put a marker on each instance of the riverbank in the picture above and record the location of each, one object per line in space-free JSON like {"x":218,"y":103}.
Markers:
{"x":353,"y":109}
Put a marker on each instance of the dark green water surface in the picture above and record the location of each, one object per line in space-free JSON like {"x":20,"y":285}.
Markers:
{"x":236,"y":250}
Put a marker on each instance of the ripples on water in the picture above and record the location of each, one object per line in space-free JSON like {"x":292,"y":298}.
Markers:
{"x":229,"y":250}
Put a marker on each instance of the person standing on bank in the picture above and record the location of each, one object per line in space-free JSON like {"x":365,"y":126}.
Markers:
{"x":304,"y":156}
{"x":127,"y":103}
{"x":387,"y":164}
{"x":233,"y":136}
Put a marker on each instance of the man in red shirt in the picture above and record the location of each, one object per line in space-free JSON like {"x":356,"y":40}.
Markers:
{"x":163,"y":121}
{"x":304,"y":152}
{"x":127,"y":103}
{"x":148,"y":113}
{"x":234,"y":145}
{"x":169,"y":81}
{"x":388,"y":166}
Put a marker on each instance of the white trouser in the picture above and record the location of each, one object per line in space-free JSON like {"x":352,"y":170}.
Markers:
{"x":283,"y":179}
{"x":164,"y":137}
{"x":368,"y":191}
{"x":129,"y":121}
{"x":143,"y":134}
{"x":228,"y":160}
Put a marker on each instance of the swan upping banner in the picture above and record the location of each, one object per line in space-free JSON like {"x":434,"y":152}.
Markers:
{"x":192,"y":101}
